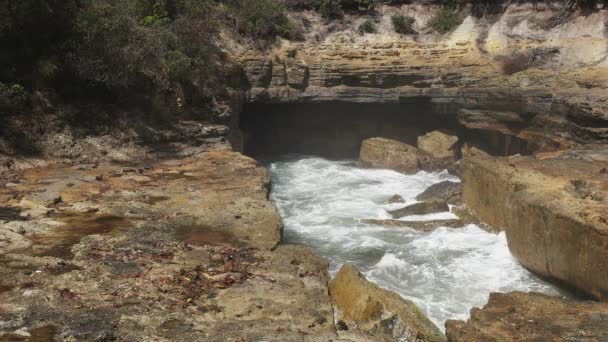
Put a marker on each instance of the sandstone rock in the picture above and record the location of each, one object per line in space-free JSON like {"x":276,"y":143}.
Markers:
{"x":553,"y":211}
{"x":450,"y":192}
{"x":388,"y":154}
{"x":424,"y":226}
{"x":191,"y":255}
{"x":394,"y":199}
{"x":436,"y":151}
{"x":421,"y":208}
{"x":519,"y":316}
{"x":368,"y":310}
{"x":469,"y":151}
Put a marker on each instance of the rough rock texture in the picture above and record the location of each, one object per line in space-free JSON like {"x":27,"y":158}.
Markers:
{"x":519,"y":316}
{"x":553,"y":208}
{"x":437,"y":151}
{"x":170,"y":249}
{"x":368,"y":310}
{"x":555,"y":103}
{"x":388,"y":154}
{"x":450,"y":192}
{"x":421,"y":208}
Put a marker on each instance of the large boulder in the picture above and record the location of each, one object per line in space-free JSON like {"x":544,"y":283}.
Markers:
{"x":436,"y":151}
{"x":365,"y":310}
{"x":421,"y":208}
{"x":519,"y":316}
{"x":552,"y":209}
{"x":450,"y":192}
{"x":388,"y":154}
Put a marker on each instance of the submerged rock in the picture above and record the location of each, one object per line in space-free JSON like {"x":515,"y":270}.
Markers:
{"x":519,"y":316}
{"x":367,"y":310}
{"x":388,"y":154}
{"x":394,"y":199}
{"x":425,"y":226}
{"x":450,"y":192}
{"x":436,"y":151}
{"x":421,"y":208}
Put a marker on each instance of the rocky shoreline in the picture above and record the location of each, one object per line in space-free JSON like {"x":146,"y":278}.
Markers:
{"x":189,"y":248}
{"x":180,"y":248}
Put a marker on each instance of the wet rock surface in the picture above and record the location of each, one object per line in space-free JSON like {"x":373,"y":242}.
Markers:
{"x":421,"y":208}
{"x":424,"y":226}
{"x":519,"y":316}
{"x":367,"y":312}
{"x":388,"y":154}
{"x":450,"y":192}
{"x":552,"y":207}
{"x":182,"y":248}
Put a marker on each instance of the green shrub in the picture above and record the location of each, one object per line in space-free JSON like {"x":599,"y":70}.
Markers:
{"x":260,"y":18}
{"x":446,"y":20}
{"x":367,"y":26}
{"x":403,"y":24}
{"x":12,"y":96}
{"x":330,"y":9}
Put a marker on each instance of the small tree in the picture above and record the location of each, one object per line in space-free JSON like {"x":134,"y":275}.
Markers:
{"x":403,"y":24}
{"x":446,"y":20}
{"x":367,"y":26}
{"x":331,"y":9}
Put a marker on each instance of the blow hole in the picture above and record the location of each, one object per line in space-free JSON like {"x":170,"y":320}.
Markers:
{"x":335,"y":130}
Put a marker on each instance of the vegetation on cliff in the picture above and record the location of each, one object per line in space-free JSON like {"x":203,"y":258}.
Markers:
{"x":153,"y":48}
{"x":164,"y":48}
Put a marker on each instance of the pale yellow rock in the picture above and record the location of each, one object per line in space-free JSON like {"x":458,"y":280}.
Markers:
{"x":388,"y":154}
{"x":368,"y":310}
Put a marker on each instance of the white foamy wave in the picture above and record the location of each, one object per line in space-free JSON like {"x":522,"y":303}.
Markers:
{"x":445,"y":272}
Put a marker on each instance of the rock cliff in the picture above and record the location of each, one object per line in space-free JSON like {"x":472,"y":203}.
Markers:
{"x":556,"y":101}
{"x":553,"y":209}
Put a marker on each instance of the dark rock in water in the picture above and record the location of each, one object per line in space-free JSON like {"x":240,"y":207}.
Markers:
{"x":519,"y":316}
{"x":425,"y":226}
{"x":422,"y":208}
{"x":394,"y":199}
{"x":450,"y":192}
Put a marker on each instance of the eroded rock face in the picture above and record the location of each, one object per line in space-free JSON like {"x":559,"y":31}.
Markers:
{"x":436,"y":151}
{"x":553,"y":209}
{"x":556,"y":103}
{"x":388,"y":154}
{"x":519,"y":316}
{"x":367,"y":310}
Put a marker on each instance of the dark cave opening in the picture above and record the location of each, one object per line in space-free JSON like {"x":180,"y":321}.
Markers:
{"x":336,"y":129}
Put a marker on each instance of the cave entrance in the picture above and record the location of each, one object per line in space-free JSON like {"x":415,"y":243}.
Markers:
{"x":336,"y":129}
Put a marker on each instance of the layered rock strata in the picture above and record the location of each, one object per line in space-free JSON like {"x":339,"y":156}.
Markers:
{"x":556,"y":102}
{"x":553,"y":208}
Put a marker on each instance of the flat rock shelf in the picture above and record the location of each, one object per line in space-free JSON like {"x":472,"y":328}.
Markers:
{"x":445,"y":272}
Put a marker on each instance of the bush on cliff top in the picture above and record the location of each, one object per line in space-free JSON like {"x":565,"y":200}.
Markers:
{"x":403,"y":24}
{"x":367,"y":26}
{"x":446,"y":19}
